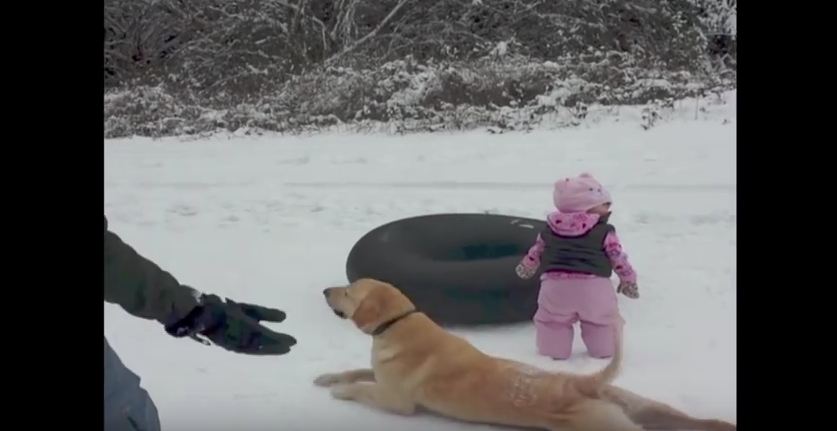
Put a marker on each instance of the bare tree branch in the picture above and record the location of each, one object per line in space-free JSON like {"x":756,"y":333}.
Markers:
{"x":345,"y":19}
{"x":369,"y":35}
{"x":296,"y":8}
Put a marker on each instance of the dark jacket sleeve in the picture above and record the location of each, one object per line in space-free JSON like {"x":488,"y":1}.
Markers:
{"x":140,"y":286}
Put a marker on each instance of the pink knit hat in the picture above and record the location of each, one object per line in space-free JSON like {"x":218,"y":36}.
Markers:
{"x":579,"y":194}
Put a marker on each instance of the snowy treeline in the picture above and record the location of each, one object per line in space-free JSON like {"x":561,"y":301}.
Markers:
{"x":181,"y":67}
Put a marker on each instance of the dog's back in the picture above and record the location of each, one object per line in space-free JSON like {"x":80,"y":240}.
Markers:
{"x":454,"y":378}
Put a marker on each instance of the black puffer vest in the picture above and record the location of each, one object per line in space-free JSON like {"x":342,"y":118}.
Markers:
{"x":584,"y":253}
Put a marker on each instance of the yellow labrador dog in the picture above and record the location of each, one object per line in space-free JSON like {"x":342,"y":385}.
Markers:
{"x":416,"y":363}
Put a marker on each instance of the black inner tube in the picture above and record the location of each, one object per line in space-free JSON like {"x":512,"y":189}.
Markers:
{"x":457,"y":268}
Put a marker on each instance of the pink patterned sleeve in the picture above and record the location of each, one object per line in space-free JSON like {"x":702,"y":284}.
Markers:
{"x":619,"y":259}
{"x":533,"y":257}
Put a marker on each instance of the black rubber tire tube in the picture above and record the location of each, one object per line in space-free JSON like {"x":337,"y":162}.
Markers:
{"x":459,"y":269}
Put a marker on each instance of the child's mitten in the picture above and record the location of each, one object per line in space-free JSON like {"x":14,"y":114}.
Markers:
{"x":631,"y":290}
{"x":524,"y":271}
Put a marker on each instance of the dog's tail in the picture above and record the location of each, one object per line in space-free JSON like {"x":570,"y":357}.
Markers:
{"x":593,"y":383}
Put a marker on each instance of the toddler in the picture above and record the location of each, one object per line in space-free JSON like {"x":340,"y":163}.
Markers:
{"x":578,"y":251}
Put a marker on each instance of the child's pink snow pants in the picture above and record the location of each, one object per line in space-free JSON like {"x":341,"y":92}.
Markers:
{"x":562,"y":302}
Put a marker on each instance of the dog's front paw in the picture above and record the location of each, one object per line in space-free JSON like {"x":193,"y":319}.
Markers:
{"x":342,"y":391}
{"x":326,"y":380}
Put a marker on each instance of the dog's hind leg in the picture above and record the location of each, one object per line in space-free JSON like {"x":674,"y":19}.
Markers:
{"x":593,"y":415}
{"x":665,"y":418}
{"x":654,"y":415}
{"x":351,"y":376}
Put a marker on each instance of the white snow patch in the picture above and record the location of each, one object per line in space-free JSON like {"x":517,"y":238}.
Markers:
{"x":271,"y":219}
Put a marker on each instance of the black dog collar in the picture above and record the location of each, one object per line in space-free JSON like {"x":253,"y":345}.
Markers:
{"x":384,"y":326}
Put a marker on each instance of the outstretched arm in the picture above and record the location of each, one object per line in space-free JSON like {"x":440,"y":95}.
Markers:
{"x":621,"y":266}
{"x":145,"y":290}
{"x":141,"y":287}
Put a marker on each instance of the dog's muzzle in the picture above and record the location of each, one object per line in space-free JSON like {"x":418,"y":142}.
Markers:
{"x":339,"y":313}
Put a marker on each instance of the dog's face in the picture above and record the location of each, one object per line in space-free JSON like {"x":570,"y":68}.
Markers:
{"x":368,"y":303}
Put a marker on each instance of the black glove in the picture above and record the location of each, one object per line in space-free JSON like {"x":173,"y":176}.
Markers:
{"x":234,"y":326}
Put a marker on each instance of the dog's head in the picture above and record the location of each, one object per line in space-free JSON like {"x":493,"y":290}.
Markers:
{"x":367,"y":302}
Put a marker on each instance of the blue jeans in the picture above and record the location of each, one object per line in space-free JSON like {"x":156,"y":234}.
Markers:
{"x":127,"y":405}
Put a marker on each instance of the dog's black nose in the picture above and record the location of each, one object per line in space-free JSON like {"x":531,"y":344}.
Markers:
{"x":325,"y":291}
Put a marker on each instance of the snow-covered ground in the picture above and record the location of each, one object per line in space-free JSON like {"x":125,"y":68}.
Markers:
{"x":271,"y":219}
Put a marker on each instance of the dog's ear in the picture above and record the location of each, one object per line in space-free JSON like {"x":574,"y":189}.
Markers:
{"x":368,"y":312}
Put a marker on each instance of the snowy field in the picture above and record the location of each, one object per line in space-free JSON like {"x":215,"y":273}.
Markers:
{"x":271,"y":220}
